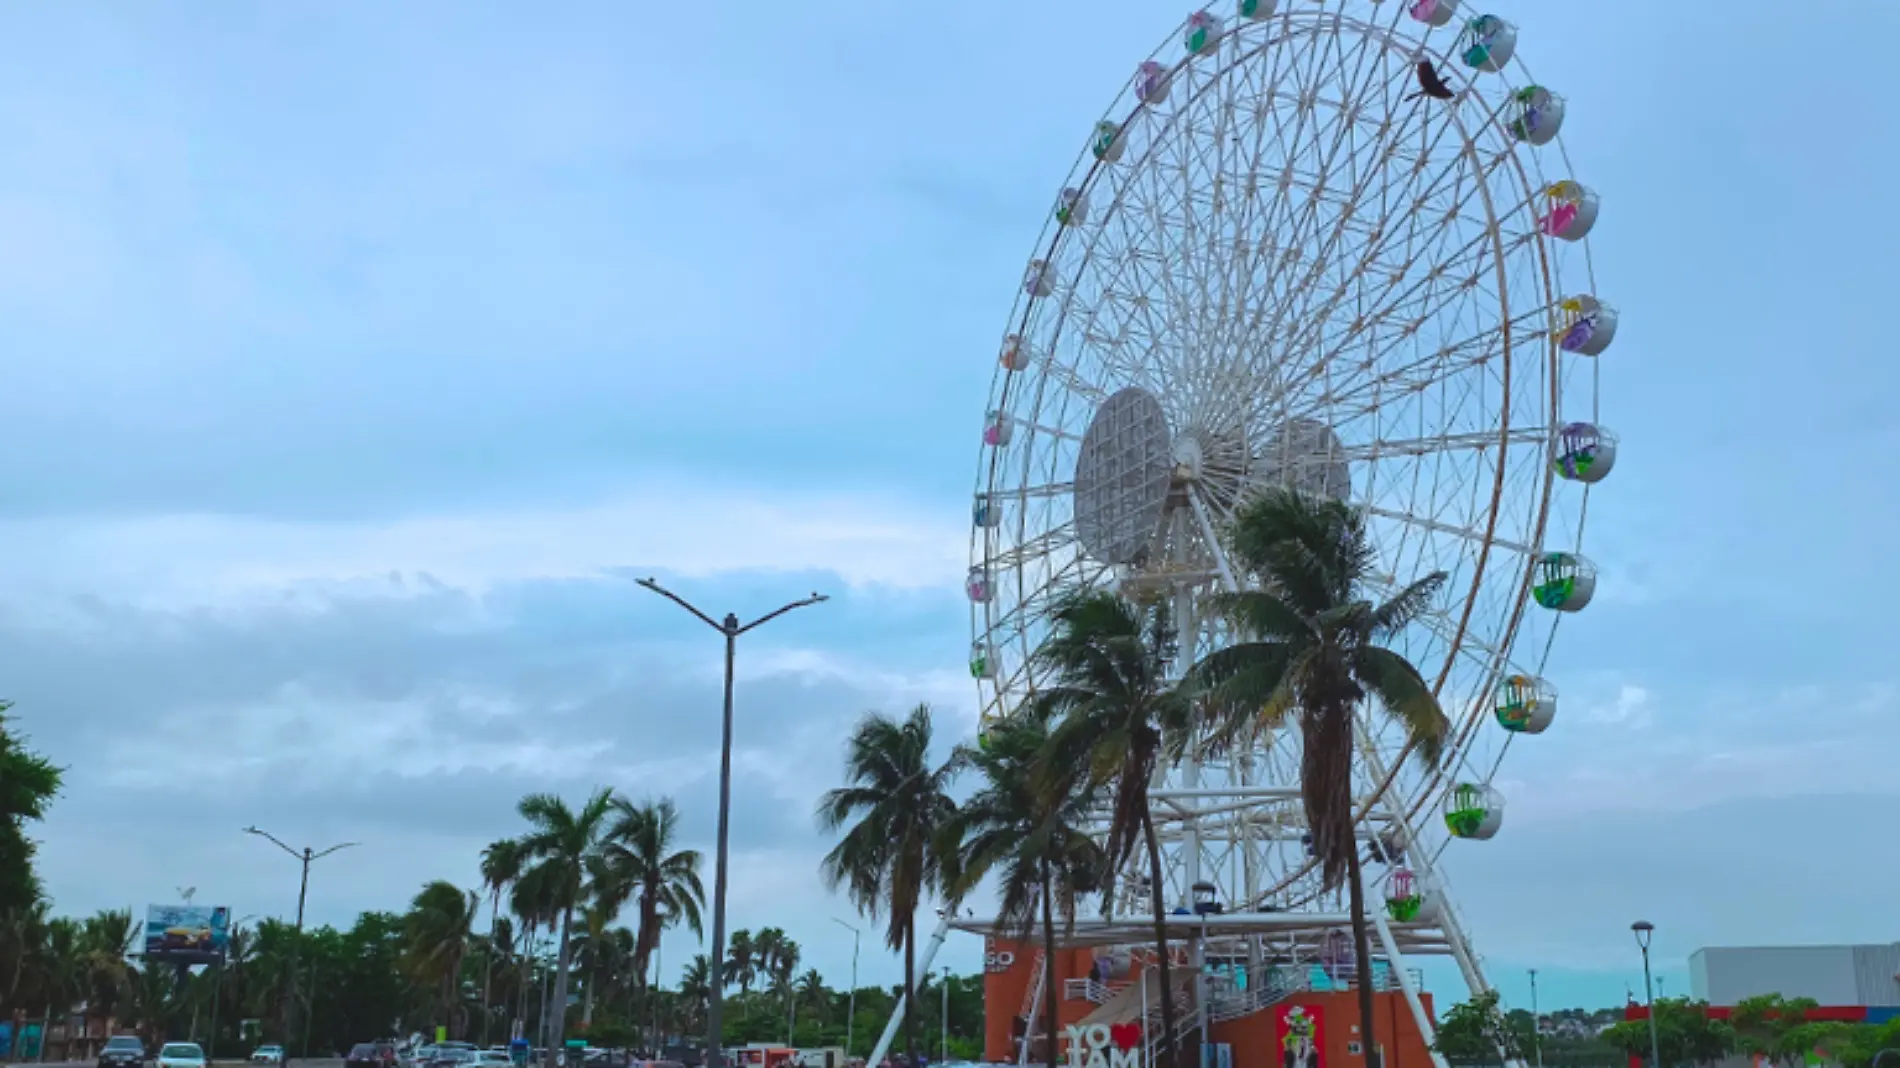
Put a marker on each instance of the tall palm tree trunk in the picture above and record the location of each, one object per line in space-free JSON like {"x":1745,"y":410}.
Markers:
{"x":1362,"y":955}
{"x":910,"y":991}
{"x":1161,"y":937}
{"x":1049,"y":964}
{"x":527,"y":977}
{"x":559,"y":1008}
{"x":488,"y":965}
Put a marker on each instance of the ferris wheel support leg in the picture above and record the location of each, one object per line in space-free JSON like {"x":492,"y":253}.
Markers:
{"x":1426,"y":1029}
{"x":923,"y":968}
{"x":1435,"y":889}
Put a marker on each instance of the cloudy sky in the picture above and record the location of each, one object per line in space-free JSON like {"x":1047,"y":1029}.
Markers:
{"x":356,"y":357}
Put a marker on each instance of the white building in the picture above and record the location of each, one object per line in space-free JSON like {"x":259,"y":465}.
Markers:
{"x":1832,"y":975}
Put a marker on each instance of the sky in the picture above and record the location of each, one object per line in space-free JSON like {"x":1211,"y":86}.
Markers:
{"x":358,"y":357}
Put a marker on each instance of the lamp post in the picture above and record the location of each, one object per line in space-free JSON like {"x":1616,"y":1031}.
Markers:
{"x":305,"y":857}
{"x":851,"y":1007}
{"x":944,"y":1017}
{"x":1537,"y":1022}
{"x":1644,"y":931}
{"x":731,"y":628}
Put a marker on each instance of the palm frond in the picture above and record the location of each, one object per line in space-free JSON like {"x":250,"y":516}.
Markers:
{"x":1406,"y":696}
{"x":1407,"y":605}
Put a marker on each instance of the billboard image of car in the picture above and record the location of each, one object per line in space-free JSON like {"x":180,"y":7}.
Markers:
{"x":186,"y":934}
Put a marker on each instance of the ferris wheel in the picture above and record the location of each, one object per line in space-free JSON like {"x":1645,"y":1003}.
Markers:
{"x":1335,"y":244}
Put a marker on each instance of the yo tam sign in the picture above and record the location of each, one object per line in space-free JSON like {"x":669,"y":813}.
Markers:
{"x":1104,"y":1045}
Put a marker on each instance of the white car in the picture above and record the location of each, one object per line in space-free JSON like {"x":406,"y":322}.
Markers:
{"x":267,"y":1055}
{"x":181,"y":1055}
{"x":492,"y":1058}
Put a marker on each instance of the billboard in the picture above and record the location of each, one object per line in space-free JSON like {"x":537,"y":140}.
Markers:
{"x":186,"y":934}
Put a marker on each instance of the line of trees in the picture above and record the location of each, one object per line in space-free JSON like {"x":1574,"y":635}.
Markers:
{"x":554,"y":898}
{"x":1109,"y":711}
{"x":1785,"y":1032}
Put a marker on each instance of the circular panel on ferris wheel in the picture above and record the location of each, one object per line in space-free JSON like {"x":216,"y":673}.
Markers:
{"x":1336,"y":245}
{"x":1121,"y":477}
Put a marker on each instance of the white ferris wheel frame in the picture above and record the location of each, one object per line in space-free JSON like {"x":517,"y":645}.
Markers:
{"x":1222,"y":821}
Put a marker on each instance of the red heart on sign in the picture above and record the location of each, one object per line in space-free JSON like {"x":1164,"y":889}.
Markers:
{"x":1125,"y":1035}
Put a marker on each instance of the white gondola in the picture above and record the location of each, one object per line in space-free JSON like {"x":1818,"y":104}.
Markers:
{"x":1585,"y":452}
{"x":983,"y":664}
{"x":985,"y":513}
{"x":1563,"y":582}
{"x":1473,"y":810}
{"x":1487,"y":43}
{"x":1204,"y":31}
{"x":1572,"y":211}
{"x":1037,"y":279}
{"x":1433,"y":13}
{"x":1257,"y":10}
{"x":1585,"y":325}
{"x":1152,"y":82}
{"x":1526,"y":704}
{"x":977,"y":585}
{"x":1109,"y":143}
{"x":1536,"y":115}
{"x":1015,"y":354}
{"x":1072,"y":207}
{"x":997,"y":429}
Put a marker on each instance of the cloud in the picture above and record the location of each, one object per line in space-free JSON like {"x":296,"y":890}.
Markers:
{"x":663,"y":525}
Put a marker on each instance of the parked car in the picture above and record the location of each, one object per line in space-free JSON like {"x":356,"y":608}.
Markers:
{"x":181,"y":1055}
{"x":267,"y":1055}
{"x":371,"y":1055}
{"x":453,"y":1055}
{"x":122,"y":1051}
{"x":491,"y":1058}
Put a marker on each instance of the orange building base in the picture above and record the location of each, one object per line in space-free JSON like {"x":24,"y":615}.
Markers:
{"x":1305,"y":1030}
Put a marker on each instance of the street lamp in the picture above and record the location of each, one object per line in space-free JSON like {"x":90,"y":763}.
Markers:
{"x":1537,"y":1022}
{"x":305,"y":857}
{"x":851,"y":1009}
{"x":944,"y":1020}
{"x":1644,"y":931}
{"x":731,"y":628}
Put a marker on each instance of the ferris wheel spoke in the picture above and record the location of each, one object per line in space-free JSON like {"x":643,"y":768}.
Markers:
{"x":1476,"y":537}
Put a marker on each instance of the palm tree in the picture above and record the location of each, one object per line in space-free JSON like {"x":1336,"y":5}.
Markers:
{"x":106,"y":940}
{"x":665,"y":880}
{"x":696,"y":988}
{"x":742,"y":960}
{"x":566,"y":843}
{"x":784,"y":971}
{"x":533,"y":898}
{"x":437,"y":930}
{"x":1025,"y":822}
{"x":1114,"y":712}
{"x":1313,"y":648}
{"x":501,"y":866}
{"x":812,"y":994}
{"x":889,"y":858}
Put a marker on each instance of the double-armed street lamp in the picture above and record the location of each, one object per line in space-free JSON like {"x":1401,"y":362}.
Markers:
{"x":305,"y":857}
{"x":731,"y":628}
{"x":1644,"y":931}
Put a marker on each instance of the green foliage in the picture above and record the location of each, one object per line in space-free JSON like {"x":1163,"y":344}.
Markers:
{"x":28,"y":783}
{"x":1474,"y":1032}
{"x":1684,"y":1032}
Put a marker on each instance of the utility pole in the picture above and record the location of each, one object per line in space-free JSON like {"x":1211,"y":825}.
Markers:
{"x":1537,"y":1022}
{"x":731,"y":628}
{"x":305,"y":857}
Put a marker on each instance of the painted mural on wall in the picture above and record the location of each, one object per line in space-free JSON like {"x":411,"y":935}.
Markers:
{"x":1297,"y":1027}
{"x":1105,"y":1045}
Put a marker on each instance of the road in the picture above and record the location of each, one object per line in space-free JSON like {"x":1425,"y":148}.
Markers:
{"x":221,"y":1062}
